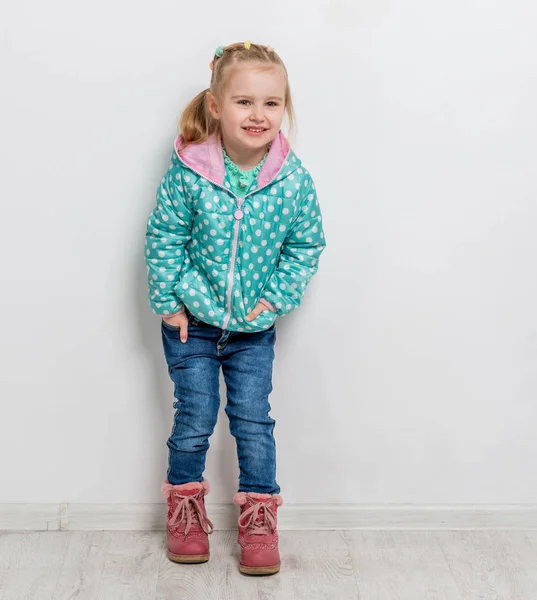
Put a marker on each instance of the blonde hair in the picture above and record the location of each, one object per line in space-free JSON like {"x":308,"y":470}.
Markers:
{"x":196,"y":123}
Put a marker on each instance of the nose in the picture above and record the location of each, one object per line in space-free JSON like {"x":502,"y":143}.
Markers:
{"x":257,"y":114}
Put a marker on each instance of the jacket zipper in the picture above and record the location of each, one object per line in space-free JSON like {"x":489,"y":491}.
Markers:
{"x":239,"y":214}
{"x":238,"y":217}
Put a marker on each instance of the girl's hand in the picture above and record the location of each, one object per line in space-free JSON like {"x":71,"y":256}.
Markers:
{"x":256,"y":312}
{"x":181,"y":321}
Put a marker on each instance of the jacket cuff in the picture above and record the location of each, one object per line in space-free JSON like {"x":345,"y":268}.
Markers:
{"x":268,"y":304}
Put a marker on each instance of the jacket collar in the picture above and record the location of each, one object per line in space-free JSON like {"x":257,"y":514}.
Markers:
{"x":207,"y":159}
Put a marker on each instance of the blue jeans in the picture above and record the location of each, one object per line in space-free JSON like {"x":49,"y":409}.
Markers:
{"x":194,"y":367}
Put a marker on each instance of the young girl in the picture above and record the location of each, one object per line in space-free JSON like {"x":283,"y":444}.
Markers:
{"x":231,"y":245}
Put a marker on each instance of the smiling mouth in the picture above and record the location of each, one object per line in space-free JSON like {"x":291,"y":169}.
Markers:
{"x":255,"y":129}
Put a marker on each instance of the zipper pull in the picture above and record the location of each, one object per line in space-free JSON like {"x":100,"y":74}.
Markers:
{"x":238,"y":213}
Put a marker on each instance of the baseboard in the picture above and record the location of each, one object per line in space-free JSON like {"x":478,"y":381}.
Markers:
{"x":151,"y":517}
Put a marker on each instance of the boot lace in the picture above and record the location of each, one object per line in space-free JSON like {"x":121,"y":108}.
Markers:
{"x":189,"y":510}
{"x":259,"y":518}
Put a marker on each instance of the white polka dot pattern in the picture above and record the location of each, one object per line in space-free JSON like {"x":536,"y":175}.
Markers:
{"x":190,"y":242}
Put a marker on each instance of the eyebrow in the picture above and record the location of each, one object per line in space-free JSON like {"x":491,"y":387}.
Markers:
{"x":250,"y":97}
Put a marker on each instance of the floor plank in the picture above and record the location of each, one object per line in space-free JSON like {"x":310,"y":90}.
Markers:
{"x":219,"y":578}
{"x":316,"y":565}
{"x":496,"y":565}
{"x":83,"y":567}
{"x":131,"y":566}
{"x":400,"y":565}
{"x":30,"y":564}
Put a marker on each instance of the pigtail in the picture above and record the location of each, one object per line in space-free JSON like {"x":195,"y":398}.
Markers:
{"x":196,"y":123}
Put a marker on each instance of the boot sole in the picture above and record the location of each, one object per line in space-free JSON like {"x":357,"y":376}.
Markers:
{"x":188,"y":558}
{"x":259,"y":570}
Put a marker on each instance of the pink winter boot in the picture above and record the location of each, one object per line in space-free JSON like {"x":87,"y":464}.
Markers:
{"x":258,"y":532}
{"x":188,"y":525}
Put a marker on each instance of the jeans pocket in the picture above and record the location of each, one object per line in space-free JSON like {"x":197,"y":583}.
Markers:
{"x":169,"y":326}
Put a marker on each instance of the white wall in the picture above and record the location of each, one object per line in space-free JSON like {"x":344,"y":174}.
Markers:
{"x":410,"y":372}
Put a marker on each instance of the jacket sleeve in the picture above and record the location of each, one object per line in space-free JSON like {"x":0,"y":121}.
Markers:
{"x":167,"y":235}
{"x":299,"y":255}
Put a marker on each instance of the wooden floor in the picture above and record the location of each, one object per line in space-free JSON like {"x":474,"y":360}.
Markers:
{"x":316,"y":565}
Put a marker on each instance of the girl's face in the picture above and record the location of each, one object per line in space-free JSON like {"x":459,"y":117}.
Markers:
{"x":252,"y":108}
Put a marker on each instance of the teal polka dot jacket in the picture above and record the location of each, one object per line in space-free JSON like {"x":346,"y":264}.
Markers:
{"x":220,"y":254}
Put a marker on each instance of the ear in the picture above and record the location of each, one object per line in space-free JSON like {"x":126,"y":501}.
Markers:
{"x":212,"y":105}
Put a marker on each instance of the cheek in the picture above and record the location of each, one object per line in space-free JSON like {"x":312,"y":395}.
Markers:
{"x":233,"y":118}
{"x":277,"y":116}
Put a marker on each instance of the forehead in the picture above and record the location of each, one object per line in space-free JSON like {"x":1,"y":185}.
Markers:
{"x":256,"y":80}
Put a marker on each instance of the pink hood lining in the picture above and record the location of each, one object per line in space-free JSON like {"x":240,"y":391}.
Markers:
{"x":207,"y":159}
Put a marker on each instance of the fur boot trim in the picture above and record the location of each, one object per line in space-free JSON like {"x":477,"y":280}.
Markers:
{"x":167,"y":487}
{"x":240,"y":497}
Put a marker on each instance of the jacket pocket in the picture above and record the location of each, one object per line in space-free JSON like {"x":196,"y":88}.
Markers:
{"x":265,"y":320}
{"x":196,"y":293}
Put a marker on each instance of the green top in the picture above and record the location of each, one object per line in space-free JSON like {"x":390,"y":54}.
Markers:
{"x":241,"y":181}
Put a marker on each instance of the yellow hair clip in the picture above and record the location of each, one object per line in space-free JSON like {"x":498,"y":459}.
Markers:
{"x":247,"y":44}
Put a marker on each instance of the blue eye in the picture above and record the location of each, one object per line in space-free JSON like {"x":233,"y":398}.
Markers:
{"x":244,"y":102}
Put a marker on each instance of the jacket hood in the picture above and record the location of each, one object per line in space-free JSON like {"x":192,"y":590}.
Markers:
{"x":206,"y":159}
